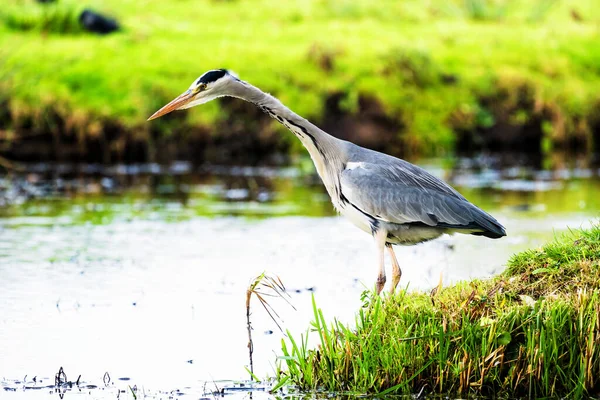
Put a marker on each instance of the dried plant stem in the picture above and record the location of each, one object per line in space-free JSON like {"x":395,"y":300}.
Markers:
{"x":257,"y":287}
{"x":249,"y":327}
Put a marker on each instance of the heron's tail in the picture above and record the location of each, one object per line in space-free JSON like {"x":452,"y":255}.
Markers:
{"x":489,"y":226}
{"x":480,"y":224}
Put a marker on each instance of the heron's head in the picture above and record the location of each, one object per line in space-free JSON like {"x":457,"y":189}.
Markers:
{"x":209,"y":86}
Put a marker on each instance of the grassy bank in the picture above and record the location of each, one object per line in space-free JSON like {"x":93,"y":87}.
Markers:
{"x":532,"y":331}
{"x":421,"y":78}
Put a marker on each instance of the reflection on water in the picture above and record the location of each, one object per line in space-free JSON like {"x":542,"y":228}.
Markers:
{"x":142,"y":272}
{"x":84,"y":194}
{"x":132,"y":192}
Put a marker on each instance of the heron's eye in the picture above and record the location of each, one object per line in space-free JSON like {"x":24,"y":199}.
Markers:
{"x":202,"y":87}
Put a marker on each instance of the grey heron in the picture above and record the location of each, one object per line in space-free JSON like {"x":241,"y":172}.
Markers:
{"x":391,"y":199}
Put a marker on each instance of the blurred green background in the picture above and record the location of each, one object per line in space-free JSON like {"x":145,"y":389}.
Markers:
{"x":407,"y":77}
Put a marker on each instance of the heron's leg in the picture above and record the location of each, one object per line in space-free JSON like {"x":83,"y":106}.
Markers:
{"x":396,"y":271}
{"x":380,"y":236}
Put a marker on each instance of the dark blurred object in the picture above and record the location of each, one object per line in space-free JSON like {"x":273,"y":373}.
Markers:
{"x":576,"y":15}
{"x":46,"y":1}
{"x":448,"y":79}
{"x":97,"y":23}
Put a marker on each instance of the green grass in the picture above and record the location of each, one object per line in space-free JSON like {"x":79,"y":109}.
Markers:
{"x":532,"y":331}
{"x":429,"y":66}
{"x":58,"y":17}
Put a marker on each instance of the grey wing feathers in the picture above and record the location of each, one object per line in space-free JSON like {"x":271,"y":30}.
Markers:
{"x":408,"y":174}
{"x":401,"y":193}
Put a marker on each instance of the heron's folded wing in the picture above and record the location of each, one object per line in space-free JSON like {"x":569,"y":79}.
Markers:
{"x":404,"y":196}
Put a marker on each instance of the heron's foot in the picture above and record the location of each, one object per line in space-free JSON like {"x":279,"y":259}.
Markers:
{"x":380,"y":283}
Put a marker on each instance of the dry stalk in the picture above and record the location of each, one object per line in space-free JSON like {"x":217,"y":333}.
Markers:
{"x":262,"y":287}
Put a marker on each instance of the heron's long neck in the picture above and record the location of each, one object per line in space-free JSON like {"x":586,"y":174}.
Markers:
{"x":325,"y":150}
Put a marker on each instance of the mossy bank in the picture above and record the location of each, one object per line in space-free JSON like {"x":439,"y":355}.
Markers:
{"x":403,"y":77}
{"x":532,"y":331}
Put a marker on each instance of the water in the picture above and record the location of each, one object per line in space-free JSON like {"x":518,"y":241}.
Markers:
{"x":141,"y":272}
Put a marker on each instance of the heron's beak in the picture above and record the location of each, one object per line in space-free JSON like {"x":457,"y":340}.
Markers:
{"x":175,"y":104}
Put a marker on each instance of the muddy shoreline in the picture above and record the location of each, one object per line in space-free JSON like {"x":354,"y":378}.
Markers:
{"x":513,"y":121}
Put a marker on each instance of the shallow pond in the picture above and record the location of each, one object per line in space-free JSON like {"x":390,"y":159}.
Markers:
{"x":141,"y":271}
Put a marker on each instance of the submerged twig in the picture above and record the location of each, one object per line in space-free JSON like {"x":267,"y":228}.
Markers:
{"x":133,"y":391}
{"x":106,"y":378}
{"x":60,"y":378}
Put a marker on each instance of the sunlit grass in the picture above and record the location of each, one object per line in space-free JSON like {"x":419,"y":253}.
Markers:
{"x":425,"y":64}
{"x":532,"y":331}
{"x":61,"y":17}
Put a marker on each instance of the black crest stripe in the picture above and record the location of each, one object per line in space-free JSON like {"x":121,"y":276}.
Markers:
{"x":212,"y":76}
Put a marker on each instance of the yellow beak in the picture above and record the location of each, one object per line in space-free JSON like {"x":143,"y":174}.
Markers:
{"x":176,"y":103}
